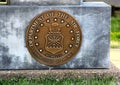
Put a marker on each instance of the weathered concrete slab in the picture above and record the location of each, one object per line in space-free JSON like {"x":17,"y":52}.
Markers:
{"x":61,"y":74}
{"x":45,"y":2}
{"x":94,"y":19}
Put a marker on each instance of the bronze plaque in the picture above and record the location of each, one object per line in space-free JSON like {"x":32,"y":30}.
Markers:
{"x":53,"y":37}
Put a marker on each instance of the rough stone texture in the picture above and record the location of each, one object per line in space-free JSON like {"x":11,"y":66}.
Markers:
{"x":45,"y":2}
{"x":94,"y":19}
{"x":61,"y":74}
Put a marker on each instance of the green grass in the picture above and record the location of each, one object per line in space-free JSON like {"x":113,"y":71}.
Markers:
{"x":115,"y":32}
{"x":115,"y":36}
{"x":115,"y":24}
{"x":52,"y":81}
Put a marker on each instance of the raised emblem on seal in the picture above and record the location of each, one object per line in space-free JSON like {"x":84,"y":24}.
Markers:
{"x":53,"y":37}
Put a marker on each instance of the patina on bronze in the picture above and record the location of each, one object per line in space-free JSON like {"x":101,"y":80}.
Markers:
{"x":53,"y":37}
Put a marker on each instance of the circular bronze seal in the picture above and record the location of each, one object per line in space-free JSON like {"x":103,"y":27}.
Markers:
{"x":53,"y":37}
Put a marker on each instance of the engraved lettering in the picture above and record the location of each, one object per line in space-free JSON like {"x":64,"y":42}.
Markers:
{"x":40,"y":18}
{"x":77,"y":39}
{"x":34,"y":24}
{"x":53,"y":56}
{"x":50,"y":14}
{"x":73,"y":24}
{"x":30,"y":37}
{"x":30,"y":43}
{"x":62,"y":15}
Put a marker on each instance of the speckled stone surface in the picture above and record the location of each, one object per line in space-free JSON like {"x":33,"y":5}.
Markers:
{"x":94,"y":19}
{"x":45,"y":2}
{"x":113,"y":71}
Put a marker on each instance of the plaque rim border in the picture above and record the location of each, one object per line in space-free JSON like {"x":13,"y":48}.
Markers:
{"x":36,"y":58}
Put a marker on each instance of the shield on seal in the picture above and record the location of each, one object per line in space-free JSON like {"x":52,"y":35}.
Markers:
{"x":54,"y":42}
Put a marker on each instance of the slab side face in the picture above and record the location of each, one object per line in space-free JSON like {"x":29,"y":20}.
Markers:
{"x":95,"y":26}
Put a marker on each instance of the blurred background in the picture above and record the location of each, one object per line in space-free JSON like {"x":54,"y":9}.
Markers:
{"x":2,"y":0}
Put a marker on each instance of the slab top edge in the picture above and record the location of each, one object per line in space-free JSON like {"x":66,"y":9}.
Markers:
{"x":84,"y":4}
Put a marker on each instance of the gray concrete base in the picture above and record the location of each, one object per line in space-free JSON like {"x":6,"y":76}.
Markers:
{"x":61,"y":74}
{"x":94,"y":19}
